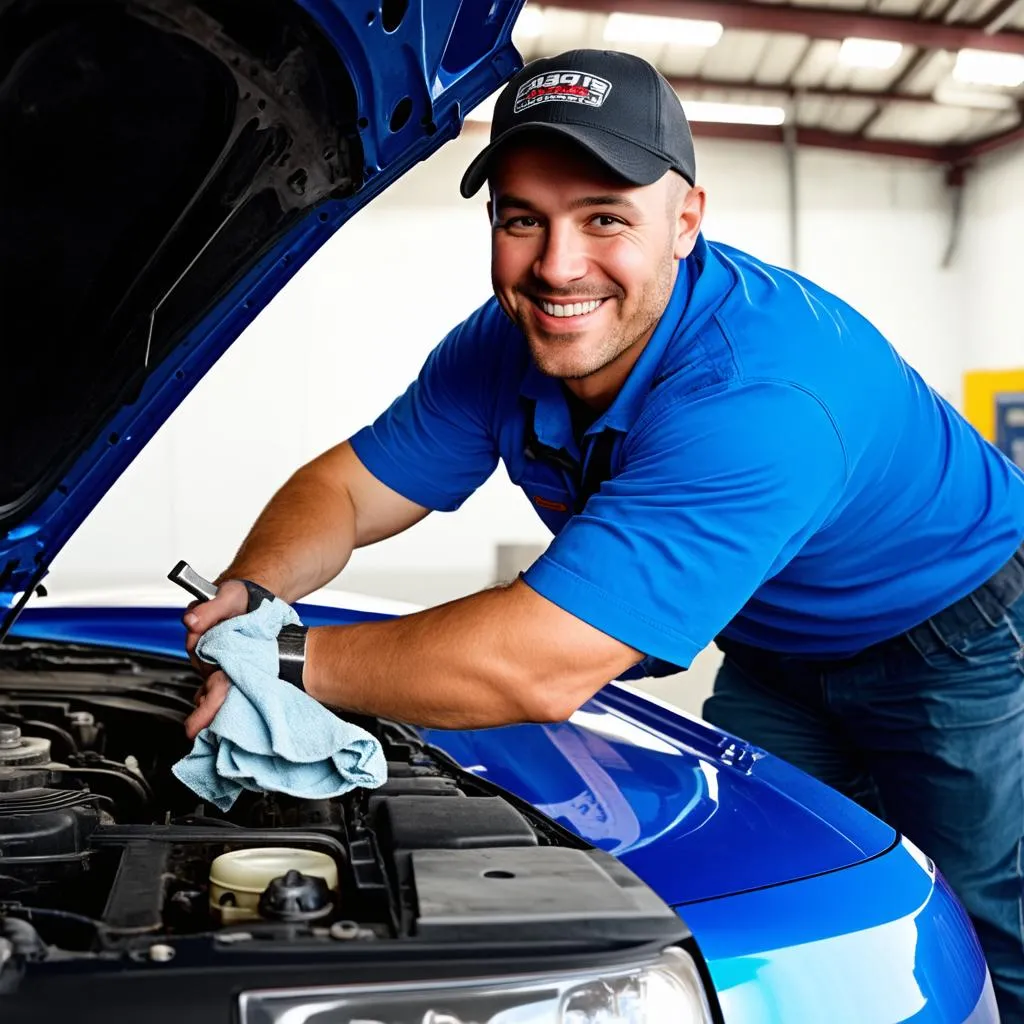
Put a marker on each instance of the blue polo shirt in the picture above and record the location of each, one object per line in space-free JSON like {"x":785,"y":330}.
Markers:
{"x":778,"y":474}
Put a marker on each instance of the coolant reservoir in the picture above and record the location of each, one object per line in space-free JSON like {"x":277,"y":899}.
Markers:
{"x":237,"y":878}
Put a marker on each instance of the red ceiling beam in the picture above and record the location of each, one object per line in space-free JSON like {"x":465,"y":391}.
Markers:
{"x":816,"y":22}
{"x":989,"y":144}
{"x":1002,"y":14}
{"x":693,"y":82}
{"x":955,"y":155}
{"x":820,"y":138}
{"x":949,"y":154}
{"x":909,"y":70}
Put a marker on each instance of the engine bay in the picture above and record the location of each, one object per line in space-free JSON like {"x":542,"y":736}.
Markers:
{"x":106,"y":857}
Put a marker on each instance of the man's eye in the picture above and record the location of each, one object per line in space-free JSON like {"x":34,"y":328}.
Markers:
{"x":520,"y":222}
{"x":605,"y":220}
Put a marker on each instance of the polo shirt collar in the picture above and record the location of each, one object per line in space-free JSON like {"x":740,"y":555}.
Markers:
{"x":552,"y":424}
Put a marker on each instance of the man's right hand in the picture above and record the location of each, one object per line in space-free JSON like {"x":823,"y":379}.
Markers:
{"x":232,"y":599}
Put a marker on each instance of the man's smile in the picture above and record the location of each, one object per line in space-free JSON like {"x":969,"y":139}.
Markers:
{"x":567,"y":312}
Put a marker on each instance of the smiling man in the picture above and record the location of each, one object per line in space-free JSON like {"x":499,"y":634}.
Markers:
{"x":724,"y":452}
{"x":587,"y":291}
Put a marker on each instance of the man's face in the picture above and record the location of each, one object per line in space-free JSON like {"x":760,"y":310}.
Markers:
{"x":583,"y":263}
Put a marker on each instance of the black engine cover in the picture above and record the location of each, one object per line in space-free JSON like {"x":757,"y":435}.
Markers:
{"x":44,"y":834}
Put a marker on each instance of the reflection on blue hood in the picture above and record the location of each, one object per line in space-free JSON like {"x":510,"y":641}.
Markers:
{"x":694,"y":812}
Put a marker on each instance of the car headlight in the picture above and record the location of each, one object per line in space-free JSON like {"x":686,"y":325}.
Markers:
{"x":667,"y":989}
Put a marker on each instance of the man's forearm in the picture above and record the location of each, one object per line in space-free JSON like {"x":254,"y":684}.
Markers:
{"x":301,"y":540}
{"x":306,"y":534}
{"x":495,"y":658}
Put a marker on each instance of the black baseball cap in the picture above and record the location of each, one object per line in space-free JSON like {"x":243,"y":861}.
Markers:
{"x":615,"y":105}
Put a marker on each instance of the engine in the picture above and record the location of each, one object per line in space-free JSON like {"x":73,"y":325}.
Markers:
{"x":428,"y":899}
{"x":112,"y":870}
{"x":102,"y":848}
{"x":44,"y":826}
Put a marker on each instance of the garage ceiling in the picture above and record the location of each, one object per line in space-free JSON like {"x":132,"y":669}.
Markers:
{"x":788,"y":65}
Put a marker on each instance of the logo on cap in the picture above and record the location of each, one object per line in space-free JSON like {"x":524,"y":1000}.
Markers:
{"x":563,"y":87}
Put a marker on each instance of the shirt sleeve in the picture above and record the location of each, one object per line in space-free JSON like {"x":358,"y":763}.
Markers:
{"x":715,"y":495}
{"x":435,"y":444}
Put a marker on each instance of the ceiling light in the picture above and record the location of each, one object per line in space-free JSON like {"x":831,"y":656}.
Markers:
{"x":733,"y":113}
{"x":984,"y":67}
{"x":953,"y":94}
{"x":530,"y":23}
{"x":643,"y":28}
{"x":869,"y":53}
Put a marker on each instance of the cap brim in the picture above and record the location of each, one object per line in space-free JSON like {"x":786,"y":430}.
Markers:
{"x":632,"y":163}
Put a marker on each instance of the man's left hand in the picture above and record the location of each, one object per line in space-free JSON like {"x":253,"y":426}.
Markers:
{"x":208,"y":702}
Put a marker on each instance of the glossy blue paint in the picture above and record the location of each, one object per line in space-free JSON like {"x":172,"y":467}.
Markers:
{"x":146,"y":630}
{"x":862,"y":931}
{"x":647,"y":784}
{"x":882,"y":941}
{"x":661,"y":791}
{"x":443,"y":77}
{"x":806,"y":908}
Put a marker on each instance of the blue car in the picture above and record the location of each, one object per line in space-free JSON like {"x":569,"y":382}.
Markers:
{"x":168,"y":166}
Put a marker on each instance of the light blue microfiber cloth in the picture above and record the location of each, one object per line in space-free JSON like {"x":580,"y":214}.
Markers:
{"x":269,"y":735}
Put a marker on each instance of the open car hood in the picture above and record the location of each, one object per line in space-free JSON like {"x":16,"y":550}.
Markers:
{"x":168,"y":166}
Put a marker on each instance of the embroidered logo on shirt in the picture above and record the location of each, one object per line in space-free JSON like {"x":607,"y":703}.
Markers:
{"x":564,"y":87}
{"x":554,"y":506}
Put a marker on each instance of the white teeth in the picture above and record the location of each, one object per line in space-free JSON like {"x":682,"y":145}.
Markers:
{"x":571,"y":309}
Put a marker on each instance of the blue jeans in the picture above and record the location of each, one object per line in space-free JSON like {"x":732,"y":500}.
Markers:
{"x":927,"y":732}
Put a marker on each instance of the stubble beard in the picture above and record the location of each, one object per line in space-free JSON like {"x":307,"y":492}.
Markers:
{"x":618,"y":341}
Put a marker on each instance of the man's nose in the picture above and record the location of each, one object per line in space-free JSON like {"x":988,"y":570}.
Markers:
{"x":563,"y":258}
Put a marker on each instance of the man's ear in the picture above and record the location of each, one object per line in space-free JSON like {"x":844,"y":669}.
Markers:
{"x":689,"y":217}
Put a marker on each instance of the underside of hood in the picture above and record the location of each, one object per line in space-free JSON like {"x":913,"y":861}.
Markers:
{"x":168,"y":165}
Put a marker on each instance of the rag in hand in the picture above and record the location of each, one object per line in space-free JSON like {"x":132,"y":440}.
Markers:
{"x":268,"y":734}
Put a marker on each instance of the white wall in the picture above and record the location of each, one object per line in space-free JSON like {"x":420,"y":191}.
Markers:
{"x":873,"y":230}
{"x":354,"y":326}
{"x":992,"y":262}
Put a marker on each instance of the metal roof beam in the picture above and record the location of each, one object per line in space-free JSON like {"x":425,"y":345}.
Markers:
{"x":689,"y":83}
{"x":912,"y":67}
{"x":820,"y":138}
{"x":959,"y":155}
{"x":990,"y":143}
{"x":1002,"y":14}
{"x":955,"y":155}
{"x":816,"y":22}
